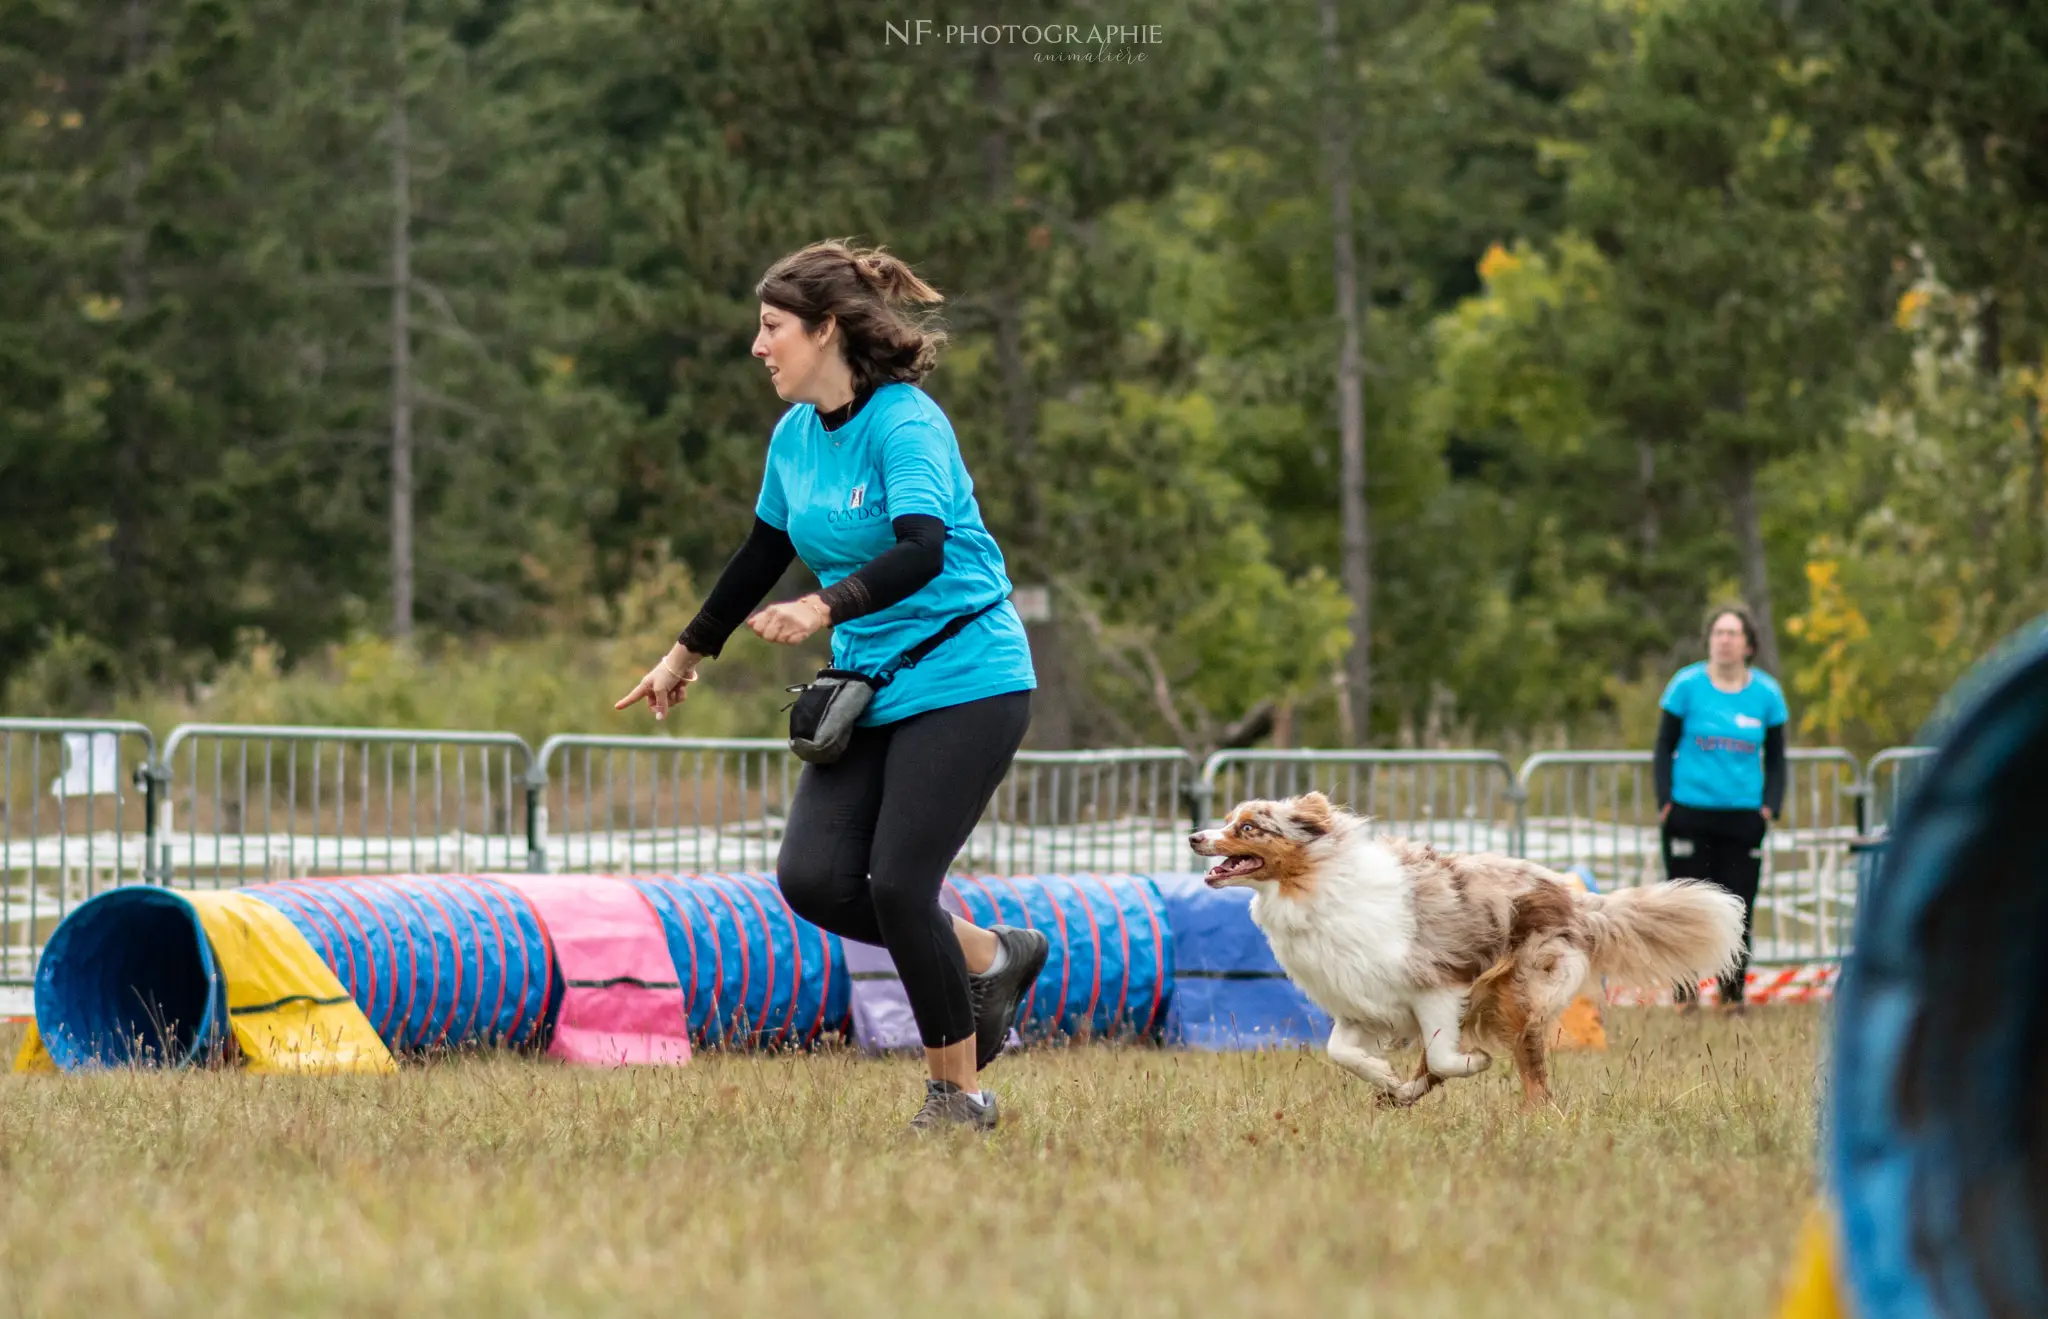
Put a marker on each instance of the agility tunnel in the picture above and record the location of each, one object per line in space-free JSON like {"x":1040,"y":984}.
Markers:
{"x":882,"y":1021}
{"x":432,"y":960}
{"x":1111,"y":969}
{"x":348,"y":973}
{"x":1936,"y":1147}
{"x":149,"y":975}
{"x":752,"y":971}
{"x":141,"y":976}
{"x":1110,"y":972}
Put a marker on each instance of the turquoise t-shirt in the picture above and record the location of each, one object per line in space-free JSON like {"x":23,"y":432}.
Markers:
{"x":1720,"y":760}
{"x":836,"y":492}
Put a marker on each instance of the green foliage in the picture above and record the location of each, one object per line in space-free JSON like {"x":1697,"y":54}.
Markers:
{"x":1937,"y":490}
{"x":1631,"y":272}
{"x":1194,"y":612}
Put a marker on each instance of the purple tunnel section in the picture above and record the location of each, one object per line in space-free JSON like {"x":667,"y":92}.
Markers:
{"x":882,"y":1019}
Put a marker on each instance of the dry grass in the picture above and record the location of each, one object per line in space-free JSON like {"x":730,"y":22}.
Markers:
{"x":1125,"y":1182}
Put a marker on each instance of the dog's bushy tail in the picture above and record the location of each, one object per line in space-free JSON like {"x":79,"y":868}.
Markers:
{"x":1662,"y":934}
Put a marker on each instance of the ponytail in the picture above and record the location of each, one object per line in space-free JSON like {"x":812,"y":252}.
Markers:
{"x":894,"y":280}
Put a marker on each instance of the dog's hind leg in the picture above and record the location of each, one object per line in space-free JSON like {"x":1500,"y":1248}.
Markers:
{"x":1532,"y":1061}
{"x":1418,"y":1085}
{"x":1441,"y":1015}
{"x":1560,"y":969}
{"x":1358,"y":1050}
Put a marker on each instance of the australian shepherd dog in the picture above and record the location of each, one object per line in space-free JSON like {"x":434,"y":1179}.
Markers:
{"x":1465,"y":951}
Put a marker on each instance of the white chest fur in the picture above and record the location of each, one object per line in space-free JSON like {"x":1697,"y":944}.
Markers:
{"x":1346,"y":946}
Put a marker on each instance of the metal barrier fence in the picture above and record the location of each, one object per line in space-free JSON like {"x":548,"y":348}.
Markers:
{"x":1599,"y":809}
{"x":89,"y":804}
{"x":1466,"y":800}
{"x":660,"y":803}
{"x":1082,"y":811}
{"x":653,"y":803}
{"x":1892,"y":776}
{"x":244,"y":803}
{"x":74,"y":818}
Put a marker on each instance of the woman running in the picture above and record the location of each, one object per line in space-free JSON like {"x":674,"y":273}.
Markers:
{"x":865,"y":483}
{"x":1720,"y":771}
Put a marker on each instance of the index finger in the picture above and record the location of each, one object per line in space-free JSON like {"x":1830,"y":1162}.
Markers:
{"x":633,"y":696}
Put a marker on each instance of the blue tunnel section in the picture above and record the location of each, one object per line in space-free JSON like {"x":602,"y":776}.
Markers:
{"x":1229,"y":991}
{"x":434,"y":961}
{"x":1111,"y":970}
{"x":754,"y":973}
{"x":128,"y":978}
{"x":1938,"y":1112}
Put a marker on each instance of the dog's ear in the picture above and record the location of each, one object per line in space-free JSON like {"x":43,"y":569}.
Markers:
{"x":1314,"y":814}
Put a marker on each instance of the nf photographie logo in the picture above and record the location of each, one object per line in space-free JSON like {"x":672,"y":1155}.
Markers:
{"x":917,"y":31}
{"x":1103,"y":43}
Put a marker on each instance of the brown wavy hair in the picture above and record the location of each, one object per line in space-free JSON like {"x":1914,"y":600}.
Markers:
{"x":1742,"y":616}
{"x":873,"y":296}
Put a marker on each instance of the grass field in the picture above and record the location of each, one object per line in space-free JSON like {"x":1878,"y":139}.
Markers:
{"x":1125,"y":1182}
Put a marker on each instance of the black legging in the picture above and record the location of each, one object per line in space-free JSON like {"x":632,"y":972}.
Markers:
{"x":871,"y":835}
{"x":1727,"y":848}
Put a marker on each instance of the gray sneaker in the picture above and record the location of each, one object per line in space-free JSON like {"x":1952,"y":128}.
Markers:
{"x":1000,"y":994}
{"x":946,"y":1105}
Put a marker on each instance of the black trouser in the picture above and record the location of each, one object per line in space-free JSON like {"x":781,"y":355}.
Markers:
{"x":871,"y":835}
{"x":1727,"y":848}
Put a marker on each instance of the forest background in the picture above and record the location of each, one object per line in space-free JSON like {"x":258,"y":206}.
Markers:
{"x":1374,"y":373}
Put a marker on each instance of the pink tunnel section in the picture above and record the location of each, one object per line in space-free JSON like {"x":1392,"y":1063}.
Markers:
{"x":621,"y":1002}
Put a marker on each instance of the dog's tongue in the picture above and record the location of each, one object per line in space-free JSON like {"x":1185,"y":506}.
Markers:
{"x":1233,"y":865}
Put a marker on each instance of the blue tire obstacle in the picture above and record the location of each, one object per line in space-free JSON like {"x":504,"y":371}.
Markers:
{"x":1937,"y":1146}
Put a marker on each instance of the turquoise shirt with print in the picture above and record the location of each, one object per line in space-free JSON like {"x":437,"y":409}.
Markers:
{"x":836,"y":492}
{"x":1720,"y":760}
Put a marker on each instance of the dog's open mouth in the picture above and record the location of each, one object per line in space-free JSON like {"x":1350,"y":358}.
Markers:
{"x":1231,"y":867}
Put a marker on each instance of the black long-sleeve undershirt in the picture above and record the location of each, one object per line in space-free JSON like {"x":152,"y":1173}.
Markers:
{"x":897,"y":573}
{"x":1774,"y":770}
{"x":1671,"y":728}
{"x":918,"y":556}
{"x":748,"y":577}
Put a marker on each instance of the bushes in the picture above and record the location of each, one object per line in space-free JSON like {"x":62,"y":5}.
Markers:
{"x":562,"y":677}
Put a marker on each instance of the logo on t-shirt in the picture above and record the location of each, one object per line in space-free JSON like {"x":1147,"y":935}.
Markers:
{"x":858,"y":511}
{"x":1748,"y":721}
